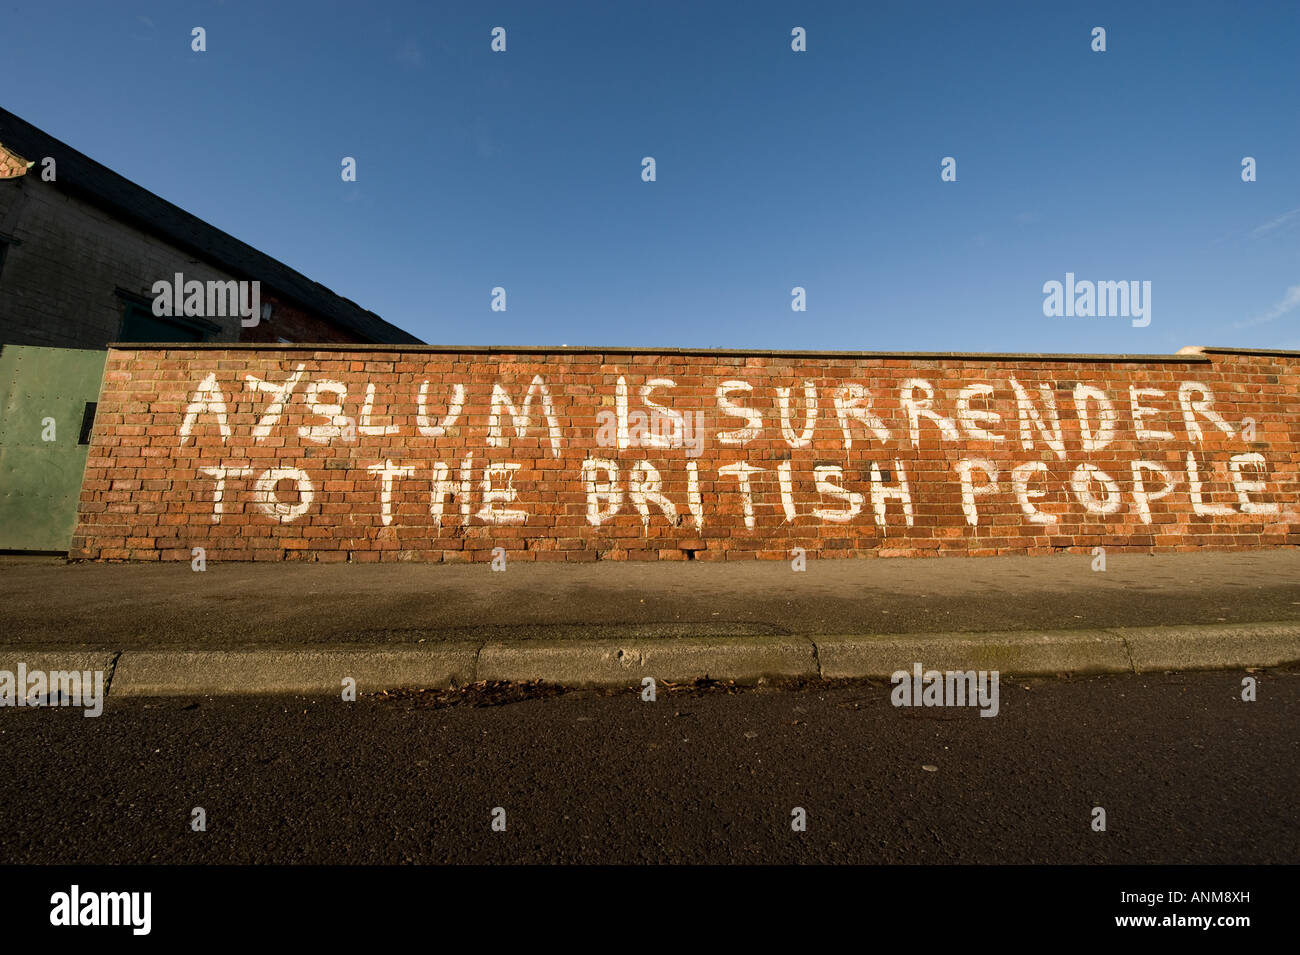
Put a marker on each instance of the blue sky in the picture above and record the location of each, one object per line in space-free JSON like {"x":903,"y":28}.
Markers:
{"x":775,"y":169}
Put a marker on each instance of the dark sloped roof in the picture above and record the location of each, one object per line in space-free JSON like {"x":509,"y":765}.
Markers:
{"x":81,"y":176}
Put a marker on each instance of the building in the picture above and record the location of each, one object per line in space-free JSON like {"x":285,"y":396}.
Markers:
{"x":82,"y":248}
{"x":84,"y":255}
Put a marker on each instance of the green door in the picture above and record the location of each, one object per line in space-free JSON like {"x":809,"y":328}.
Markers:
{"x":47,"y":405}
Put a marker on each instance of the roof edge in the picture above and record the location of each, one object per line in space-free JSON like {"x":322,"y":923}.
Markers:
{"x":106,"y":189}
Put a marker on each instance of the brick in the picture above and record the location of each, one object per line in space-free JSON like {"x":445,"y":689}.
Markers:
{"x":146,"y":482}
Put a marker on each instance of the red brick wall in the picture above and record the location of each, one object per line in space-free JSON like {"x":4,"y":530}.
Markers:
{"x":147,"y":496}
{"x":294,"y":324}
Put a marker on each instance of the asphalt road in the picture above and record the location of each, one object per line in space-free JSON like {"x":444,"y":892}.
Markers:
{"x":48,"y":602}
{"x":1185,"y":770}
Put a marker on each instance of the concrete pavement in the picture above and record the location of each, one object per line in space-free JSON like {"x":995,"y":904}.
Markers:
{"x":299,"y":628}
{"x":277,"y":604}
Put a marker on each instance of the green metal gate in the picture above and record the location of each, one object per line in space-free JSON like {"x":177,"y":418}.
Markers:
{"x":47,"y":406}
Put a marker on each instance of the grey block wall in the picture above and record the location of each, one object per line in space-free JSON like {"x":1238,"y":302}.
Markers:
{"x":59,"y":279}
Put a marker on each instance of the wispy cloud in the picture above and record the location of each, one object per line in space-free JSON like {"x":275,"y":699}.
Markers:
{"x":409,"y":54}
{"x":1289,"y":303}
{"x":145,"y":29}
{"x":1273,"y":225}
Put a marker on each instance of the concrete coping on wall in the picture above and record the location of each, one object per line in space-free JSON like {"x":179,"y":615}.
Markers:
{"x":1211,"y":350}
{"x":1192,"y":355}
